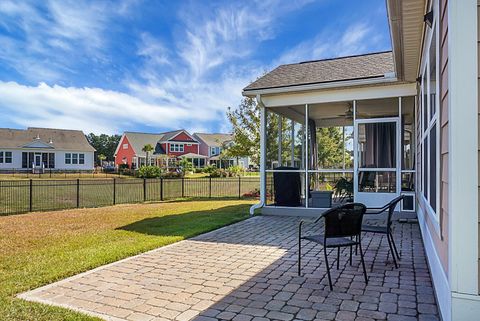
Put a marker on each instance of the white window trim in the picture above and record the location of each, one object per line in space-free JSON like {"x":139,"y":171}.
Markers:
{"x":179,"y":148}
{"x":425,"y":132}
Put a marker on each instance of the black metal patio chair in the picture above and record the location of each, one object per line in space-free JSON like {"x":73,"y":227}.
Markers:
{"x":387,"y":227}
{"x":342,"y":228}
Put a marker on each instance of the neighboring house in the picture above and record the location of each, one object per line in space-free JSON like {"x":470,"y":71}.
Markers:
{"x":40,"y":149}
{"x":419,"y":105}
{"x":212,"y":145}
{"x":169,"y":147}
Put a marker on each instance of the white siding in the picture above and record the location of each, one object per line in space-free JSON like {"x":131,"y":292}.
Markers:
{"x":59,"y":159}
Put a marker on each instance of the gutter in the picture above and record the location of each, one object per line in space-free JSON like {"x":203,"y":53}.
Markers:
{"x":262,"y":158}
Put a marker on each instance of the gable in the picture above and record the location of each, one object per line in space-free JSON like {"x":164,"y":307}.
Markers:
{"x":37,"y":144}
{"x":183,"y":137}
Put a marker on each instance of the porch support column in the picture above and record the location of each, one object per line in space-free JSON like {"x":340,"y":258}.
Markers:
{"x":263,"y":152}
{"x":463,"y":156}
{"x":307,"y":189}
{"x":280,"y":138}
{"x":292,"y":156}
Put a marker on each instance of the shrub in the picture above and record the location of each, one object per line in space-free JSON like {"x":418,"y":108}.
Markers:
{"x":186,"y":165}
{"x":149,"y":172}
{"x":123,"y":166}
{"x":219,"y":172}
{"x":234,"y":170}
{"x":199,"y":170}
{"x":172,"y":175}
{"x":210,"y":169}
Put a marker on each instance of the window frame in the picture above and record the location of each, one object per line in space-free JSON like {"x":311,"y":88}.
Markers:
{"x":68,"y":158}
{"x":2,"y":157}
{"x":424,"y":193}
{"x":8,"y":155}
{"x":81,"y":159}
{"x":177,"y":147}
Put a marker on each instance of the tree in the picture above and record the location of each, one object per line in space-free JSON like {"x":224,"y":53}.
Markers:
{"x":147,"y":149}
{"x":245,"y":121}
{"x":104,"y":144}
{"x":101,"y":158}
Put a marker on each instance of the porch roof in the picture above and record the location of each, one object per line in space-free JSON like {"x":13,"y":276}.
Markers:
{"x":192,"y":155}
{"x":367,"y":66}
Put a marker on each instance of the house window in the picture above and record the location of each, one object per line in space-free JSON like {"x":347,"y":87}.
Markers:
{"x":429,"y":142}
{"x":177,"y":147}
{"x":125,"y":146}
{"x":68,"y":158}
{"x":215,"y":151}
{"x":1,"y":158}
{"x":74,"y":158}
{"x":81,"y":159}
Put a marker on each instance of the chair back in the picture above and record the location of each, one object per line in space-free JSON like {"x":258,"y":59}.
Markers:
{"x":391,"y":208}
{"x":345,"y":220}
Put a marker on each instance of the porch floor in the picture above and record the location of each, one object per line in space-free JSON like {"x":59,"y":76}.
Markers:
{"x":247,"y":271}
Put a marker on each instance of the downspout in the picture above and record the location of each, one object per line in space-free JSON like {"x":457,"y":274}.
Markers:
{"x":263,"y":158}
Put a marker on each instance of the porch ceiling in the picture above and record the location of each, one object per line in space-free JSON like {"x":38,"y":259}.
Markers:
{"x":334,"y":113}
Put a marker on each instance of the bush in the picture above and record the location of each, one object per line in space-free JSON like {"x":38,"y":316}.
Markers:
{"x":149,"y":172}
{"x":235,"y":170}
{"x":210,"y":169}
{"x":123,"y":166}
{"x":219,"y":172}
{"x":172,"y":175}
{"x":199,"y":170}
{"x":186,"y":165}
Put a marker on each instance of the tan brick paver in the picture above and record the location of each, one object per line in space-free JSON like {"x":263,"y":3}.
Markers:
{"x":247,"y":271}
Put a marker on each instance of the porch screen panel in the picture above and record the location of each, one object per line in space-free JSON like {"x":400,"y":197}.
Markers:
{"x":378,"y":145}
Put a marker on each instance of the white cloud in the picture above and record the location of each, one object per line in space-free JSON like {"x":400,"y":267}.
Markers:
{"x":88,"y":109}
{"x":358,"y":38}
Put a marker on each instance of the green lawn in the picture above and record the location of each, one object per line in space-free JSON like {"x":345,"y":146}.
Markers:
{"x":40,"y":248}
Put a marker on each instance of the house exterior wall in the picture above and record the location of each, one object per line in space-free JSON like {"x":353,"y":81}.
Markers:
{"x":203,"y":148}
{"x":127,"y":153}
{"x":193,"y":148}
{"x":59,"y":159}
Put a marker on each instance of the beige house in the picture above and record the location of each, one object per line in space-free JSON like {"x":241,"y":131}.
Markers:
{"x":409,"y":122}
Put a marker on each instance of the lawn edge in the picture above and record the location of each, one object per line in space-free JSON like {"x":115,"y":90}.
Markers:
{"x":30,"y":294}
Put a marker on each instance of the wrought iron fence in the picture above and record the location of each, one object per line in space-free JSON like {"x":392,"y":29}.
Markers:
{"x":20,"y":196}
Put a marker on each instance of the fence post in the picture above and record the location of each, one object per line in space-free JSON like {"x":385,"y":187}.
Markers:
{"x":239,"y":187}
{"x":78,"y":192}
{"x":183,"y":187}
{"x":144,"y":189}
{"x":209,"y":187}
{"x":31,"y":195}
{"x":114,"y":189}
{"x":161,"y":188}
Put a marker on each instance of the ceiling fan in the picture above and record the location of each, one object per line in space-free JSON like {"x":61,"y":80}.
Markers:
{"x":347,"y":115}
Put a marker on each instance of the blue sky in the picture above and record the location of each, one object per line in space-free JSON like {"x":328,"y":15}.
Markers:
{"x":112,"y":66}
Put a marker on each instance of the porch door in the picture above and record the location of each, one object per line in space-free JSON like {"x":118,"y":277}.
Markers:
{"x":38,"y":160}
{"x":377,"y":161}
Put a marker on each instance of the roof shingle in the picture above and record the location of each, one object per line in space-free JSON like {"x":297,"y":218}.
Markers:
{"x":365,"y":66}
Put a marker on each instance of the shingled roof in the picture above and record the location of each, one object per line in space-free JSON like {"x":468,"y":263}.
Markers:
{"x":60,"y":139}
{"x":374,"y":65}
{"x":214,"y":140}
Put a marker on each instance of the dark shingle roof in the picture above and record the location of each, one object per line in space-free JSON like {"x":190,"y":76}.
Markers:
{"x":214,"y":140}
{"x":60,"y":139}
{"x":366,"y":66}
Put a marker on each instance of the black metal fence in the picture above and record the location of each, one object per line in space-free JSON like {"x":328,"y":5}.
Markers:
{"x":20,"y":196}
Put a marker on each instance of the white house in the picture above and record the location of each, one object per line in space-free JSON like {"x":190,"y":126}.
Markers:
{"x":42,"y":149}
{"x":412,"y":117}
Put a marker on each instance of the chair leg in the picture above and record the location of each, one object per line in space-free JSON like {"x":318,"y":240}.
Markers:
{"x":299,"y":256}
{"x":351,"y":255}
{"x":394,"y":246}
{"x":328,"y":268}
{"x":356,"y":245}
{"x":338,"y":258}
{"x":363,"y":263}
{"x":391,"y":251}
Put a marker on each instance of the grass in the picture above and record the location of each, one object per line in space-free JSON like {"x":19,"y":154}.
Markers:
{"x":40,"y":248}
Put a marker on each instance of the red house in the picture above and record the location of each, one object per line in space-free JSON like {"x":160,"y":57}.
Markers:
{"x":169,"y":147}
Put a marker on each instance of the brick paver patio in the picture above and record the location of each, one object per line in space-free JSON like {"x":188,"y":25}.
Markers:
{"x":247,"y":271}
